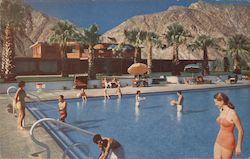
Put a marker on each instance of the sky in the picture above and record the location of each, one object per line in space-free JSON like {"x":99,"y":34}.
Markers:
{"x":107,"y":14}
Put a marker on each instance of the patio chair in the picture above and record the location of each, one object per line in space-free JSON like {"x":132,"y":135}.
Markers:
{"x":231,"y":81}
{"x":190,"y":80}
{"x":80,"y":82}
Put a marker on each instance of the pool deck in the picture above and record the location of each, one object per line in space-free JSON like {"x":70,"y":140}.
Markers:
{"x":17,"y":144}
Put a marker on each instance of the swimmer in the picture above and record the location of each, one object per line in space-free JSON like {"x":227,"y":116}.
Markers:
{"x":179,"y":102}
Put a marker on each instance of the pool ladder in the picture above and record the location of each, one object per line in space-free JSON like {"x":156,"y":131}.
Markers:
{"x":35,"y":98}
{"x":53,"y":121}
{"x":85,"y":132}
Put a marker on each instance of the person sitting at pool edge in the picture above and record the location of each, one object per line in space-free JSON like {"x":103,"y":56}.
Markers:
{"x":62,"y":108}
{"x":179,"y":102}
{"x":107,"y":144}
{"x":83,"y":95}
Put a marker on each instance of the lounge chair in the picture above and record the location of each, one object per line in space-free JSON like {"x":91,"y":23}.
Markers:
{"x":231,"y":81}
{"x":189,"y":80}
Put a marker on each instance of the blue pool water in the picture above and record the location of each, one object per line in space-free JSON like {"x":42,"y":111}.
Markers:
{"x":155,"y":130}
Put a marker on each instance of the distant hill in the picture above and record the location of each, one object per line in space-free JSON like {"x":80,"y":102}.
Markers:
{"x":215,"y":20}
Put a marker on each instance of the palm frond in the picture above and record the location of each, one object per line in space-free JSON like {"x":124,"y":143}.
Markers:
{"x":239,"y":43}
{"x":135,"y":36}
{"x":176,"y":34}
{"x":91,"y":35}
{"x":202,"y":42}
{"x":63,"y":32}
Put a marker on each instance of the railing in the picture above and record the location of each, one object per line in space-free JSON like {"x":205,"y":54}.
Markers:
{"x":30,"y":95}
{"x":85,"y":132}
{"x":12,"y":98}
{"x":77,"y":145}
{"x":37,"y":99}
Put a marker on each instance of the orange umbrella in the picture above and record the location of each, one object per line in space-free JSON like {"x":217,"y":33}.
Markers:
{"x":99,"y":46}
{"x":137,"y":69}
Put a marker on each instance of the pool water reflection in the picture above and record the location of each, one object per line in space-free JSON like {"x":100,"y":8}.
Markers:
{"x":154,"y":130}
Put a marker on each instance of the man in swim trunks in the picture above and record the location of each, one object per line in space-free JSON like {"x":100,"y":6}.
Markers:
{"x":107,"y":144}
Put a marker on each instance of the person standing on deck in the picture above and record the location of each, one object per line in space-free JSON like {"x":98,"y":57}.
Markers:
{"x":20,"y":104}
{"x":118,"y":90}
{"x":105,"y":93}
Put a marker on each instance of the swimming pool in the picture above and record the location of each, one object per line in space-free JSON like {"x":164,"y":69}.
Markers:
{"x":154,"y":130}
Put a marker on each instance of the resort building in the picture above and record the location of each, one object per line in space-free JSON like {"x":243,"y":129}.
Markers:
{"x":75,"y":50}
{"x":46,"y":59}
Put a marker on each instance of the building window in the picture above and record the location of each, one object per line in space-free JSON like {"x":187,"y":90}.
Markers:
{"x":71,"y":49}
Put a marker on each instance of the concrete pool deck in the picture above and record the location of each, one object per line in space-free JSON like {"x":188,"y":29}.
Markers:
{"x":17,"y":144}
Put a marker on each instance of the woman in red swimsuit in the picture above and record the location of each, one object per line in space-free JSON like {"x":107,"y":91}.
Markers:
{"x":225,"y":146}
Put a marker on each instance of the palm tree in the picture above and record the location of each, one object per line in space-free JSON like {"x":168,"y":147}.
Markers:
{"x":91,"y":37}
{"x":239,"y":45}
{"x":119,"y":47}
{"x":203,"y":42}
{"x":176,"y":35}
{"x":13,"y":21}
{"x":152,"y":39}
{"x":135,"y":37}
{"x":63,"y":32}
{"x":2,"y":55}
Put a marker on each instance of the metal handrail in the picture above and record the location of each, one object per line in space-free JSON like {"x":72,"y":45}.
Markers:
{"x":13,"y":100}
{"x":30,"y":94}
{"x":75,"y":145}
{"x":57,"y":122}
{"x":39,"y":101}
{"x":38,"y":98}
{"x":48,"y":119}
{"x":8,"y":90}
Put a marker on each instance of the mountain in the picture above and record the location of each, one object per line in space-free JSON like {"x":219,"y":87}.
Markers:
{"x":37,"y":30}
{"x":218,"y":21}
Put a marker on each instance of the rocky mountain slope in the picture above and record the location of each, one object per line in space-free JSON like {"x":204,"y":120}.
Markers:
{"x":215,"y":20}
{"x":219,"y":21}
{"x":37,"y":30}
